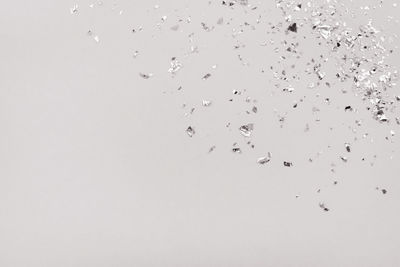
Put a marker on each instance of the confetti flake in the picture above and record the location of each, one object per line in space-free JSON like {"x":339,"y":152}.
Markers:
{"x":236,"y":150}
{"x":323,"y":206}
{"x":246,"y":130}
{"x":190,"y":131}
{"x":347,"y":146}
{"x":287,"y":164}
{"x":264,"y":160}
{"x":212,"y":149}
{"x":292,"y":27}
{"x":145,"y":76}
{"x":175,"y":66}
{"x":206,"y":103}
{"x":205,"y":77}
{"x":288,"y":89}
{"x":325,"y":31}
{"x":74,"y":9}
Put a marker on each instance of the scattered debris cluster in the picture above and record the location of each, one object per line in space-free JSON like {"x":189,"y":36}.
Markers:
{"x":320,"y":51}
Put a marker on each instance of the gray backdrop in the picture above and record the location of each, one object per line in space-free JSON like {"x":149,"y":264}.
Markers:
{"x":96,"y":168}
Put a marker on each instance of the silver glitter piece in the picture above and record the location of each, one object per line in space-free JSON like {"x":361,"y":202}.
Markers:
{"x":323,"y":206}
{"x":145,"y":76}
{"x":74,"y":9}
{"x":264,"y":160}
{"x":208,"y":75}
{"x":287,"y":164}
{"x":175,"y":66}
{"x":236,"y":150}
{"x":206,"y":103}
{"x":347,"y":146}
{"x":246,"y":130}
{"x":190,"y":131}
